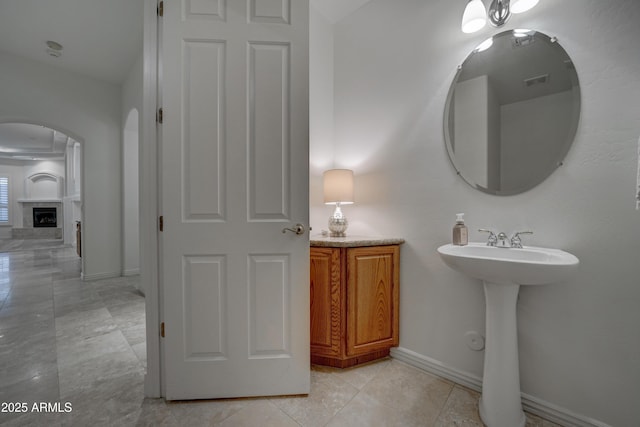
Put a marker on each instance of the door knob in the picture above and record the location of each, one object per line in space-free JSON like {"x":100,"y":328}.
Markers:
{"x":298,"y":229}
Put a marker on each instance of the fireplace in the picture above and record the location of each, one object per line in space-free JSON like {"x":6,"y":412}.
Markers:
{"x":45,"y":217}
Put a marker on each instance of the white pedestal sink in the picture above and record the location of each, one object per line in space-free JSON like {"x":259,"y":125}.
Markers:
{"x":502,"y":271}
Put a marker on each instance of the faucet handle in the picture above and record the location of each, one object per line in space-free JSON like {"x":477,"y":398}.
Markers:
{"x":516,"y":242}
{"x":492,"y":240}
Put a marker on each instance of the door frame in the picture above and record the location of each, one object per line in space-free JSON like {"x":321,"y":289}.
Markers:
{"x":149,"y":201}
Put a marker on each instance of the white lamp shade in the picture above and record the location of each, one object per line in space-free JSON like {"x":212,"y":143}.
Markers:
{"x":519,"y":6}
{"x":338,"y":186}
{"x":474,"y":17}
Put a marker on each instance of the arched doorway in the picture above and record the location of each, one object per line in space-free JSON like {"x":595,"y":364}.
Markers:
{"x":41,"y":171}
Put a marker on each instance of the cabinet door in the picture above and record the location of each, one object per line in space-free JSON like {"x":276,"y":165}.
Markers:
{"x":372,"y":298}
{"x":325,"y":301}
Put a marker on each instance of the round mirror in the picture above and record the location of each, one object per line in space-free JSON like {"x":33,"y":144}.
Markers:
{"x":512,"y":112}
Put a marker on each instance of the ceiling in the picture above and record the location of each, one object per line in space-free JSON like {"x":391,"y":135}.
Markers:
{"x":336,"y":10}
{"x":21,"y":141}
{"x":101,"y":39}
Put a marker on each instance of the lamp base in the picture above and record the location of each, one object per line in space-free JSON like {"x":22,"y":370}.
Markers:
{"x":338,"y":226}
{"x":338,"y":223}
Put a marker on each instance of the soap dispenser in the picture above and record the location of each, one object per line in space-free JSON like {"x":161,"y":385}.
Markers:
{"x":460,"y":232}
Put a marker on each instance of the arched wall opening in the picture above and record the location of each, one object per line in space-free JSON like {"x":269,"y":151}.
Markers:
{"x":52,"y":180}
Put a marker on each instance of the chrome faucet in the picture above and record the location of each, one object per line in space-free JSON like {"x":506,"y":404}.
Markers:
{"x":492,"y":240}
{"x":500,"y":240}
{"x":516,"y":242}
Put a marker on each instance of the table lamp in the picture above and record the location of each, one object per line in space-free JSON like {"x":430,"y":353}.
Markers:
{"x":338,"y":190}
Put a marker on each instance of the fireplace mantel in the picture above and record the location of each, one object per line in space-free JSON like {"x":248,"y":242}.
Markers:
{"x":39,"y":200}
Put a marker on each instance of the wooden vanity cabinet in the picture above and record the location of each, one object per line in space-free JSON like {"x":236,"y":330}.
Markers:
{"x":354,"y":303}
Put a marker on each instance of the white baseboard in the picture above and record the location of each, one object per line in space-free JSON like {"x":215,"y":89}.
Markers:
{"x":99,"y":276}
{"x":131,"y":272}
{"x":530,"y":403}
{"x":437,"y":368}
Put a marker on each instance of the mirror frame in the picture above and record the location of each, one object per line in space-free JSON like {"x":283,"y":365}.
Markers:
{"x":552,"y":164}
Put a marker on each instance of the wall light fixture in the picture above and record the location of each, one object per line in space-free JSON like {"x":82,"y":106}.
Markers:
{"x":475,"y":15}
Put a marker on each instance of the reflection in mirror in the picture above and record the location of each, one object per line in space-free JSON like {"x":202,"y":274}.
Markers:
{"x":512,"y":112}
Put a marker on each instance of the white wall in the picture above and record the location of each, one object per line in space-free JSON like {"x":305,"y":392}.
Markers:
{"x":131,"y":118}
{"x":471,"y":129}
{"x":579,"y":343}
{"x":88,"y":110}
{"x":528,"y":143}
{"x":321,"y":139}
{"x":54,"y":167}
{"x":494,"y":143}
{"x":44,"y":188}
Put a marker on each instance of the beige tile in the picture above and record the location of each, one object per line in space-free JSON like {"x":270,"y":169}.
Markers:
{"x":417,"y":394}
{"x":365,"y":411}
{"x":205,"y":412}
{"x":461,"y":409}
{"x":533,"y":420}
{"x":259,"y":413}
{"x":328,"y":395}
{"x":357,"y":376}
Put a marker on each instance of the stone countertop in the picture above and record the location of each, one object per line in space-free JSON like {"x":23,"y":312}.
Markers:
{"x":353,"y":241}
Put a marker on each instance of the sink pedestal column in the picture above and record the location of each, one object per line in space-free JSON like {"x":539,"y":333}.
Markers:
{"x":500,"y":404}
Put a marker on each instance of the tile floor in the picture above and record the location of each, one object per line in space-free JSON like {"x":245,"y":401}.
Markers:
{"x":83,"y":343}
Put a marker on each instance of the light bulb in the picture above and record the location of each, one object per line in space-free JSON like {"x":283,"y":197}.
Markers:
{"x":485,"y":45}
{"x":519,"y":6}
{"x":474,"y":17}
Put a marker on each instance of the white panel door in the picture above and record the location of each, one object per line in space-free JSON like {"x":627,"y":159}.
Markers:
{"x":234,"y":174}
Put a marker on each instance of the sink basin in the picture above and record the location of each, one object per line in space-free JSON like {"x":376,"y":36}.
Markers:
{"x":502,"y":271}
{"x":526,"y":266}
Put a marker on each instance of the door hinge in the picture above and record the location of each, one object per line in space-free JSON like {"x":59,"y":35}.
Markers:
{"x":161,"y":222}
{"x":159,"y":115}
{"x":161,"y":8}
{"x":162,"y":329}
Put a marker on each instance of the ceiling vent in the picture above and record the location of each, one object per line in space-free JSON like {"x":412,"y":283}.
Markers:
{"x":522,"y":40}
{"x":542,"y":79}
